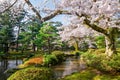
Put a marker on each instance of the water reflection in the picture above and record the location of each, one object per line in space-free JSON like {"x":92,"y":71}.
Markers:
{"x":7,"y":64}
{"x":72,"y":64}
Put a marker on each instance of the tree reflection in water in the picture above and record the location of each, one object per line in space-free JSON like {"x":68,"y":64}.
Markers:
{"x":7,"y":64}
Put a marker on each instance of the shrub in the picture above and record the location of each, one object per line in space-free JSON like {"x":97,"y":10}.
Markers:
{"x":96,"y":51}
{"x":99,"y":60}
{"x":32,"y":62}
{"x":99,"y":51}
{"x":100,"y":41}
{"x":46,"y":60}
{"x":90,"y":75}
{"x":37,"y":55}
{"x":114,"y":63}
{"x":76,"y":53}
{"x":32,"y":73}
{"x":50,"y":60}
{"x":59,"y":55}
{"x":14,"y":52}
{"x":83,"y":75}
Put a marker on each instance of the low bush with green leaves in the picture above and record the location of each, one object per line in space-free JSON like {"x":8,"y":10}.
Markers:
{"x":44,"y":60}
{"x":91,"y":74}
{"x":83,"y":75}
{"x":50,"y":60}
{"x":60,"y":55}
{"x":76,"y":53}
{"x":32,"y":73}
{"x":100,"y":61}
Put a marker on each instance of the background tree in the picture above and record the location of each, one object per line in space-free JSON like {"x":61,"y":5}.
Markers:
{"x":74,"y":35}
{"x":7,"y":30}
{"x":46,"y":37}
{"x":8,"y":20}
{"x":28,"y":33}
{"x":24,"y":41}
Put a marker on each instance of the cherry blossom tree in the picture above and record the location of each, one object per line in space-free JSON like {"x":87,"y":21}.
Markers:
{"x":99,"y":15}
{"x":75,"y":34}
{"x":4,"y":6}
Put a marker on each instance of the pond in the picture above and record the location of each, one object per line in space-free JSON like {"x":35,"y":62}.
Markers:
{"x":71,"y":65}
{"x":7,"y":64}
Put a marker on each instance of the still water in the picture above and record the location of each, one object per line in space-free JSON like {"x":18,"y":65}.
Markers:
{"x":69,"y":66}
{"x":7,"y":64}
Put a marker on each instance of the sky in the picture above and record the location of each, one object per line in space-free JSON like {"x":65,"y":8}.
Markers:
{"x":50,"y":4}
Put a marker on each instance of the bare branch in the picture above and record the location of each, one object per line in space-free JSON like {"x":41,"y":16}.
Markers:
{"x":56,"y":12}
{"x":33,"y":8}
{"x":9,"y":7}
{"x":53,"y":14}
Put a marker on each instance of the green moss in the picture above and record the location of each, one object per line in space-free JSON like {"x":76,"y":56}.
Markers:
{"x":60,"y":55}
{"x":77,"y":53}
{"x":83,"y":75}
{"x":32,"y":73}
{"x":106,"y":77}
{"x":50,"y":60}
{"x":96,"y":51}
{"x":90,"y":75}
{"x":55,"y":58}
{"x":104,"y":63}
{"x":47,"y":59}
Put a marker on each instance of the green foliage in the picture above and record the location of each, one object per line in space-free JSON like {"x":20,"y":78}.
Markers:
{"x":90,"y":75}
{"x":6,"y":30}
{"x":44,"y":60}
{"x":1,"y":53}
{"x":8,"y":20}
{"x":104,"y":63}
{"x":83,"y":75}
{"x":96,"y":51}
{"x":54,"y":58}
{"x":50,"y":60}
{"x":77,"y":53}
{"x":60,"y":55}
{"x":28,"y":33}
{"x":47,"y":38}
{"x":100,"y":41}
{"x":32,"y":73}
{"x":118,"y":42}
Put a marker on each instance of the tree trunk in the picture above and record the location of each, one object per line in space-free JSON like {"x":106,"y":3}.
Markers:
{"x":110,"y":46}
{"x":49,"y":46}
{"x":17,"y":43}
{"x":76,"y":46}
{"x":34,"y":47}
{"x":6,"y":48}
{"x":22,"y":50}
{"x":111,"y":42}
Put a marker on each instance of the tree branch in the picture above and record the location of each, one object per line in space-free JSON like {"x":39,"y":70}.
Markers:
{"x":56,"y":12}
{"x":95,"y":27}
{"x":33,"y":8}
{"x":9,"y":7}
